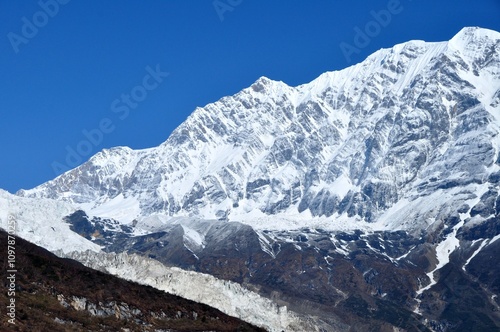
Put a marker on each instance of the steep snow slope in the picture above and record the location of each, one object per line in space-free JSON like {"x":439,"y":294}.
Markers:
{"x":41,"y":221}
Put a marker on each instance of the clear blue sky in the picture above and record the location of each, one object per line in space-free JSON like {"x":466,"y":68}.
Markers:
{"x":63,"y":78}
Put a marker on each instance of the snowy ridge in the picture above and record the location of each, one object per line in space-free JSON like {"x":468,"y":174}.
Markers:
{"x":350,"y":145}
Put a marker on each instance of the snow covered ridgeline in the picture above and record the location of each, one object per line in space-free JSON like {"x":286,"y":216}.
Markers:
{"x":229,"y":297}
{"x":406,"y":122}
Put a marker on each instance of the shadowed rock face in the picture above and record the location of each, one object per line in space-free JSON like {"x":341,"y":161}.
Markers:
{"x":367,"y":281}
{"x":54,"y":294}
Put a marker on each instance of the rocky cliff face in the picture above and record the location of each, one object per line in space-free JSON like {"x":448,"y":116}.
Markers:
{"x":339,"y":281}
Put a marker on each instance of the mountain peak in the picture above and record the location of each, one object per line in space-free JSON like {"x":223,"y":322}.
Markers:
{"x":476,"y":32}
{"x":474,"y":39}
{"x":263,"y":84}
{"x":344,"y":149}
{"x":383,"y":169}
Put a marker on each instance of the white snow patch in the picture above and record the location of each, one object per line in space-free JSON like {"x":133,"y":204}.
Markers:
{"x":119,"y":208}
{"x":193,"y":236}
{"x":443,"y":252}
{"x":40,"y":221}
{"x":265,"y":244}
{"x":483,"y":244}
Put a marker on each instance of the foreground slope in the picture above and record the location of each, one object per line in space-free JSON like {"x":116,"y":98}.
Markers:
{"x":55,"y":294}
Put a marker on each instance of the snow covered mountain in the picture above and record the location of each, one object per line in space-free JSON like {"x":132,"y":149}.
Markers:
{"x":411,"y":131}
{"x":368,"y":198}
